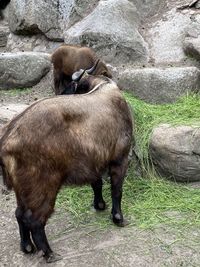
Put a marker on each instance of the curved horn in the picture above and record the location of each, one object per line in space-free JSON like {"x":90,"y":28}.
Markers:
{"x":91,"y":70}
{"x":78,"y":75}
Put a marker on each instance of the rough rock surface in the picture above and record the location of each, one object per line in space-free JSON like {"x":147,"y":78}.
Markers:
{"x":159,"y":85}
{"x":72,"y":11}
{"x":22,"y":69}
{"x":111,"y":29}
{"x":4,"y":32}
{"x":175,"y":152}
{"x":192,"y":29}
{"x":35,"y":16}
{"x":123,"y":32}
{"x":8,"y":111}
{"x":191,"y":47}
{"x":166,"y":36}
{"x":47,"y":17}
{"x":35,"y":43}
{"x":148,"y":8}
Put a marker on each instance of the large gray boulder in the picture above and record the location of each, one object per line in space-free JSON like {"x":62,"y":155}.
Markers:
{"x":112,"y":30}
{"x":175,"y":152}
{"x":166,"y":37}
{"x":72,"y":11}
{"x":35,"y":43}
{"x":48,"y":17}
{"x":35,"y":16}
{"x":159,"y":85}
{"x":22,"y":69}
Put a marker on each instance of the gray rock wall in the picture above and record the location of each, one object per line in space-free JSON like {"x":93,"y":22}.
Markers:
{"x":112,"y":30}
{"x":142,"y":36}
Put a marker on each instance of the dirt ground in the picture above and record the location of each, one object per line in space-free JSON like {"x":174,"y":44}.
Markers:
{"x":89,"y":246}
{"x":43,"y":89}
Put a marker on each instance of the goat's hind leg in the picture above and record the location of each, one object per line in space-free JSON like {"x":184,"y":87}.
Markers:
{"x":37,"y":229}
{"x":26,"y":243}
{"x":99,"y":203}
{"x":117,"y":174}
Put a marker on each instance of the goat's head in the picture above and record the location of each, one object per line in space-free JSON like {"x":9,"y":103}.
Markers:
{"x":83,"y":81}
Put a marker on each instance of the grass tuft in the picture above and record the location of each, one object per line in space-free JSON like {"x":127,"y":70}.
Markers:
{"x":146,"y":203}
{"x":14,"y":92}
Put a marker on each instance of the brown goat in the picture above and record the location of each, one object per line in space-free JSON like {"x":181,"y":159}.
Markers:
{"x":70,"y":139}
{"x":68,"y":59}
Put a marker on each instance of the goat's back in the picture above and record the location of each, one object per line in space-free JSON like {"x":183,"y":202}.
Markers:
{"x":69,"y":59}
{"x":68,"y":133}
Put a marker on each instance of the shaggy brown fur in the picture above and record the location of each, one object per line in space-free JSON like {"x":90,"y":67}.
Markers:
{"x":65,"y":140}
{"x":68,"y":59}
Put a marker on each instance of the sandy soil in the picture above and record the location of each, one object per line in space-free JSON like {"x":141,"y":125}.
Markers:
{"x":90,"y":246}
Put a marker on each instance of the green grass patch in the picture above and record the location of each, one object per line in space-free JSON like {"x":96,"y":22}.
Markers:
{"x":147,"y":202}
{"x":15,"y":92}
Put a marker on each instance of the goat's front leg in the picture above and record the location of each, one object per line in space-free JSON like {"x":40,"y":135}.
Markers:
{"x":99,"y":203}
{"x":37,"y":229}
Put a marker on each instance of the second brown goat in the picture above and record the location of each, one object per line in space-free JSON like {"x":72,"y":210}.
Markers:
{"x":68,"y":59}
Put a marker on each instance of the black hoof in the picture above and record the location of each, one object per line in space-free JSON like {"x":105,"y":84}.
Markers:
{"x":52,"y":257}
{"x":28,"y":248}
{"x":100,"y":206}
{"x":119,"y":220}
